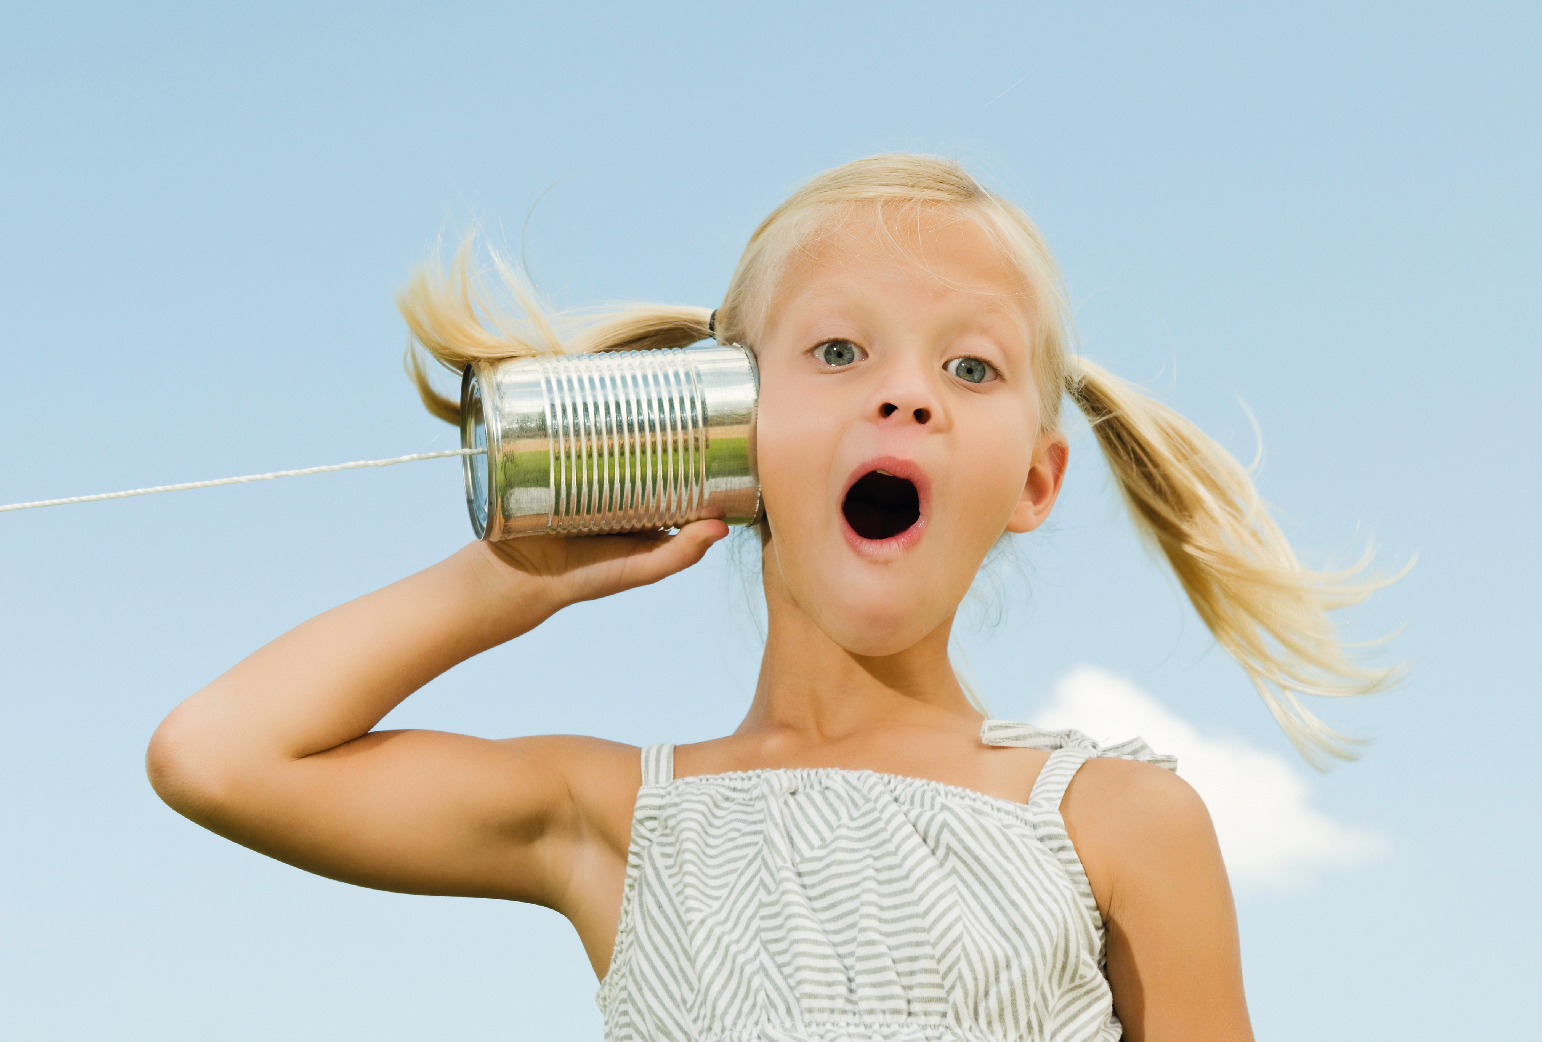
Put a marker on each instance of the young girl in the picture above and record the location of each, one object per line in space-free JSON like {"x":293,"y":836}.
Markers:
{"x":866,"y":856}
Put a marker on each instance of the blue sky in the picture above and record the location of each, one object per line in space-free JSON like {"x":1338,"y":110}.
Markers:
{"x":1325,"y":213}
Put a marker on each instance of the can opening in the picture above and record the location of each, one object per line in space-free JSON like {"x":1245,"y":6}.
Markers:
{"x":473,"y":435}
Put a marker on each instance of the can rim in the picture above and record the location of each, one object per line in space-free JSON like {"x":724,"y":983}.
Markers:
{"x":471,"y":392}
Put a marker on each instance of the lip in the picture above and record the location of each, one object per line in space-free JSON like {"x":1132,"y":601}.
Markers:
{"x":882,"y":549}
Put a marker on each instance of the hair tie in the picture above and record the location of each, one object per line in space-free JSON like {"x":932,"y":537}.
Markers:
{"x":712,"y":325}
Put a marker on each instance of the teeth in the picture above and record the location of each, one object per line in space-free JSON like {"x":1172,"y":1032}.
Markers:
{"x":885,"y":473}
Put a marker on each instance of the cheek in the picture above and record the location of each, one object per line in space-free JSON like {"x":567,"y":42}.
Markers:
{"x":990,"y":471}
{"x":795,"y":440}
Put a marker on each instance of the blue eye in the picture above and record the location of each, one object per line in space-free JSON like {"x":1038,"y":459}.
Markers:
{"x":971,"y":370}
{"x":838,"y":353}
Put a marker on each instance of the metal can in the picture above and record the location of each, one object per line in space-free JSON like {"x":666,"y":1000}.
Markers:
{"x":619,"y":441}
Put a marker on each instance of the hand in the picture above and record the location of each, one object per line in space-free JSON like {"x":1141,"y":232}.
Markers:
{"x":581,"y":568}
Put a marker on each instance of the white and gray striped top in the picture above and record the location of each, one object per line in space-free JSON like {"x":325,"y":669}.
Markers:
{"x":828,"y":905}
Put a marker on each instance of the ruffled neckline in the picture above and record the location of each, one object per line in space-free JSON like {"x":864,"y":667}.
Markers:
{"x":999,"y":733}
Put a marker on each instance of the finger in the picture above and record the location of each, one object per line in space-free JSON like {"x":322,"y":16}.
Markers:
{"x":702,"y":534}
{"x":677,"y":552}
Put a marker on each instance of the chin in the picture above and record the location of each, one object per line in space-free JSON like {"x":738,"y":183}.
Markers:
{"x":876,"y":628}
{"x":881,"y":647}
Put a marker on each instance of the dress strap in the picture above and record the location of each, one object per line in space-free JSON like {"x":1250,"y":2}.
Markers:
{"x":658,"y":764}
{"x":1068,"y":750}
{"x":1026,"y":736}
{"x":1055,"y":777}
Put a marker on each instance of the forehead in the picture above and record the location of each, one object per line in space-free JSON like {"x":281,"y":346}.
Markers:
{"x":938,"y":257}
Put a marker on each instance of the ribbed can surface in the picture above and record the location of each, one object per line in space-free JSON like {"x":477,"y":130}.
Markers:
{"x":615,"y":442}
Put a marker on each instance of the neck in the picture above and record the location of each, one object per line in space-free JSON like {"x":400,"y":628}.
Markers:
{"x":812,"y":689}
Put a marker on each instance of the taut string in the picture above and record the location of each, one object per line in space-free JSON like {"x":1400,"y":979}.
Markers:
{"x":248,"y":477}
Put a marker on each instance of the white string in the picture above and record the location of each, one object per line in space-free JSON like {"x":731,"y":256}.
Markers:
{"x":248,"y":477}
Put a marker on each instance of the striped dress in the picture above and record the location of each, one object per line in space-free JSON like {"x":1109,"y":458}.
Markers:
{"x":828,"y":905}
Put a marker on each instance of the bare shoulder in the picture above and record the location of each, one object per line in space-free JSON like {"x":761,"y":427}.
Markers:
{"x":1129,"y":819}
{"x":565,"y":751}
{"x":1151,"y":855}
{"x":601,"y":777}
{"x":1133,"y":795}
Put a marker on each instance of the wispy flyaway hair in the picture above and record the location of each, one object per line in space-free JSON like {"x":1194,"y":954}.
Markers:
{"x":1189,"y":498}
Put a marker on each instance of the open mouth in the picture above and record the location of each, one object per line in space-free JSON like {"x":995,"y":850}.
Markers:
{"x":880,"y":505}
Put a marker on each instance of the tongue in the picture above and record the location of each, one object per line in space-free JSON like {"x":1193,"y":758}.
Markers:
{"x":880,"y":505}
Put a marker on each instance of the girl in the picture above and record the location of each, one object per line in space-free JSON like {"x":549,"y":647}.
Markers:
{"x":866,"y":857}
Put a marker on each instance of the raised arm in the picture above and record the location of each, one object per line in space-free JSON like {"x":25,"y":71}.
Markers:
{"x":1150,"y":851}
{"x":278,"y":753}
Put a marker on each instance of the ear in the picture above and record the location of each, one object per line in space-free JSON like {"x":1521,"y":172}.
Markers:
{"x":1042,"y":488}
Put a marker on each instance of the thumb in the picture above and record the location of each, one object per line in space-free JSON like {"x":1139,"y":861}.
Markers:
{"x":682,"y":550}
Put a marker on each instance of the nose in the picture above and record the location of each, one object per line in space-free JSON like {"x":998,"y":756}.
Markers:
{"x":921,"y":413}
{"x":906,"y":394}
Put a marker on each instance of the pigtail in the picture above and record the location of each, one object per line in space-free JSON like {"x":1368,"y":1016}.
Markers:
{"x":455,"y":318}
{"x":1197,"y":504}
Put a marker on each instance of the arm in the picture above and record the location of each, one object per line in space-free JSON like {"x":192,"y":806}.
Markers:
{"x":278,"y":753}
{"x":1150,"y":851}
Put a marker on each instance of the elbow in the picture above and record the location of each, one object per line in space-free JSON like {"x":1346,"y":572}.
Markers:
{"x":186,"y":767}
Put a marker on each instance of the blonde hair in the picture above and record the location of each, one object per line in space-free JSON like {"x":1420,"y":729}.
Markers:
{"x":1190,"y":499}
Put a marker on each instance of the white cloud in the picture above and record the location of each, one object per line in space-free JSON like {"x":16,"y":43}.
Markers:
{"x":1258,"y":800}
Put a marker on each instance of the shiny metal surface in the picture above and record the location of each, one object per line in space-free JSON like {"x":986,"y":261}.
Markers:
{"x":622,"y":441}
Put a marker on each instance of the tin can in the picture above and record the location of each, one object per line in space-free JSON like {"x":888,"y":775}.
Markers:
{"x":620,"y":441}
